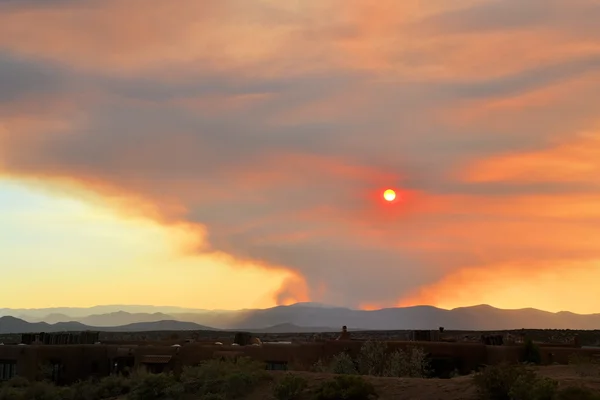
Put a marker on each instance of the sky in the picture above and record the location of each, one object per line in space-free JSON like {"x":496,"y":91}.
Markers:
{"x":234,"y":153}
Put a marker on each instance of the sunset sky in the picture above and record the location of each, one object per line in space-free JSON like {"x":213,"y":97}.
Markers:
{"x":234,"y":153}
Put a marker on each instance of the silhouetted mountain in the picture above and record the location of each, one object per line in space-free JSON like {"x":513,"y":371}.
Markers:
{"x":291,"y":328}
{"x":79,"y":312}
{"x":304,"y":317}
{"x":16,"y":325}
{"x":156,"y":326}
{"x":123,"y":318}
{"x":418,"y":317}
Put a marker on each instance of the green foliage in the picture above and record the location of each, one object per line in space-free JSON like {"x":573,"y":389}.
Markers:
{"x":375,"y":360}
{"x":410,"y":364}
{"x":155,"y":387}
{"x":230,"y":379}
{"x":44,"y":391}
{"x":18,"y":382}
{"x":290,"y":387}
{"x":531,"y":387}
{"x":319,"y":366}
{"x":513,"y":382}
{"x":113,"y":386}
{"x":106,"y":388}
{"x":531,"y":353}
{"x":345,"y":387}
{"x":372,"y":358}
{"x":10,"y":393}
{"x":343,"y":364}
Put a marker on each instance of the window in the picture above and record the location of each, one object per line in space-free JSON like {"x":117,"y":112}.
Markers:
{"x":8,"y":370}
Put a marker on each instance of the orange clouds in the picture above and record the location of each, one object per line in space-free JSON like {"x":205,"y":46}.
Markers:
{"x":553,"y":287}
{"x":575,"y":160}
{"x":267,"y":130}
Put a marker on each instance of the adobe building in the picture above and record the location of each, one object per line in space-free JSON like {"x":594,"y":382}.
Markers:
{"x":67,"y":363}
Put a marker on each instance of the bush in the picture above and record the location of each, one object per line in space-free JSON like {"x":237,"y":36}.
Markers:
{"x":531,"y":352}
{"x":319,"y":366}
{"x":155,"y":387}
{"x":410,"y":364}
{"x":513,"y":382}
{"x":18,"y":382}
{"x":106,"y":388}
{"x":290,"y":387}
{"x":10,"y":393}
{"x":230,"y":379}
{"x":343,"y":364}
{"x":346,"y":387}
{"x":44,"y":391}
{"x":372,"y":358}
{"x":113,"y":386}
{"x":531,"y":387}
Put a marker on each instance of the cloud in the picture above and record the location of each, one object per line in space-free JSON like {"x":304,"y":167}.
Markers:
{"x":274,"y":128}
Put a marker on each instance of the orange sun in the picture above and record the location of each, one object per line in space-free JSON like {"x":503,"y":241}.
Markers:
{"x":389,"y":195}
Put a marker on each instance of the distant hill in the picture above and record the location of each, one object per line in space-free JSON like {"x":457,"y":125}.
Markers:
{"x":291,"y":328}
{"x":30,"y":314}
{"x":16,"y":325}
{"x":310,"y":317}
{"x":156,"y":326}
{"x":123,"y":318}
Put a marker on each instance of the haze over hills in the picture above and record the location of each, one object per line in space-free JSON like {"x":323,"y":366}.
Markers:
{"x":15,"y":325}
{"x":310,"y":316}
{"x":31,"y":314}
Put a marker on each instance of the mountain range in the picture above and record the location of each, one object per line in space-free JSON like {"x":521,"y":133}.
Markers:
{"x":301,"y":317}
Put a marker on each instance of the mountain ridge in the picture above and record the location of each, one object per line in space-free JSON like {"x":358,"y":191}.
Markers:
{"x":316,"y":316}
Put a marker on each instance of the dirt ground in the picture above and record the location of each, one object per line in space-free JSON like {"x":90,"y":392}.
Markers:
{"x":459,"y":388}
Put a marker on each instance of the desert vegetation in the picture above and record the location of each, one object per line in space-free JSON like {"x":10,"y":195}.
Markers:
{"x":375,"y":360}
{"x":367,"y":376}
{"x":212,"y":380}
{"x":520,"y":382}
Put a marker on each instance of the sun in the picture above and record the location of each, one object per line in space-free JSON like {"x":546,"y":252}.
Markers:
{"x":389,"y":195}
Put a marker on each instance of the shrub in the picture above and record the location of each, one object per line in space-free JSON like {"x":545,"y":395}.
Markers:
{"x":230,"y":379}
{"x":290,"y":387}
{"x":513,"y":382}
{"x":343,"y":364}
{"x":18,"y":382}
{"x":411,"y":364}
{"x":531,"y":352}
{"x":319,"y":366}
{"x":10,"y":393}
{"x":345,"y":387}
{"x":372,"y":358}
{"x":44,"y":391}
{"x":106,"y":388}
{"x":155,"y":387}
{"x":113,"y":386}
{"x":528,"y":387}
